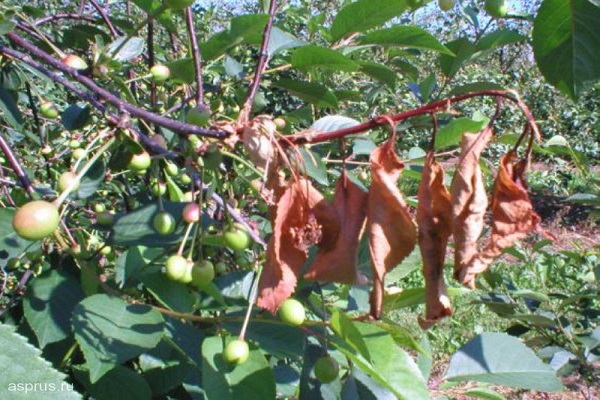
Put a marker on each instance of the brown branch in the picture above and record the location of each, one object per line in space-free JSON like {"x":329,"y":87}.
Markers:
{"x":436,"y":106}
{"x":106,"y":18}
{"x":260,"y":66}
{"x":16,"y":167}
{"x":178,"y":127}
{"x":57,"y":17}
{"x":189,"y":20}
{"x":150,"y":44}
{"x":111,"y":118}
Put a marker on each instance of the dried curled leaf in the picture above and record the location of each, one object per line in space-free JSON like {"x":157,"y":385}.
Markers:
{"x":434,"y":219}
{"x":469,"y":200}
{"x":300,"y":219}
{"x":513,"y":216}
{"x":336,"y":259}
{"x":258,"y":136}
{"x":392,"y":233}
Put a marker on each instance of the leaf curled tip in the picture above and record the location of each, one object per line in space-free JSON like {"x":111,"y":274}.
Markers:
{"x":392,"y":232}
{"x":513,"y":216}
{"x":434,"y":220}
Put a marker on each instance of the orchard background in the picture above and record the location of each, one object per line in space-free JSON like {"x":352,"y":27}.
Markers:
{"x":184,"y":186}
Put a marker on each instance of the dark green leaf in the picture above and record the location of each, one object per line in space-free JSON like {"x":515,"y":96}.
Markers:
{"x":9,"y":111}
{"x":484,"y":393}
{"x":451,"y":133}
{"x":501,"y":359}
{"x":308,"y":57}
{"x":22,"y":364}
{"x":121,"y":384}
{"x":313,"y":166}
{"x":363,"y":15}
{"x":475,"y":86}
{"x":463,"y":50}
{"x":499,"y":38}
{"x":173,"y":295}
{"x":252,"y":380}
{"x":165,"y":18}
{"x":347,"y":331}
{"x":91,"y":181}
{"x":75,"y":117}
{"x":281,"y":40}
{"x":379,"y":72}
{"x":314,"y":93}
{"x":110,"y":331}
{"x":566,"y":40}
{"x":49,"y":303}
{"x":406,"y":36}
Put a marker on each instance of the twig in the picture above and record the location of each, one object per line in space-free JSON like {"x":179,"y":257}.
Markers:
{"x":57,"y":17}
{"x":178,"y":127}
{"x":260,"y":66}
{"x":16,"y":167}
{"x":436,"y":106}
{"x":150,"y":44}
{"x":189,"y":20}
{"x":106,"y":19}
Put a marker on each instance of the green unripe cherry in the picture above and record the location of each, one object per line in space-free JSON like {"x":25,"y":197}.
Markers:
{"x":175,"y":267}
{"x":496,"y":8}
{"x":66,"y":179}
{"x":160,"y":73}
{"x":36,"y":220}
{"x":237,"y":238}
{"x":292,"y":312}
{"x":75,"y":62}
{"x":139,"y":162}
{"x":164,"y":223}
{"x":203,"y":273}
{"x":446,"y":5}
{"x":199,"y":115}
{"x":236,"y":352}
{"x":49,"y":110}
{"x":326,"y":369}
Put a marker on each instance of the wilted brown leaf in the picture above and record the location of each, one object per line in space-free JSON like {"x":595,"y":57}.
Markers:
{"x":301,"y":218}
{"x":258,"y":136}
{"x":392,"y":233}
{"x":337,"y":255}
{"x":469,"y":200}
{"x":434,"y":219}
{"x":512,"y":216}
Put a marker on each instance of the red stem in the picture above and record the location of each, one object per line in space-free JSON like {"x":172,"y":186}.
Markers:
{"x":260,"y":66}
{"x":189,"y":20}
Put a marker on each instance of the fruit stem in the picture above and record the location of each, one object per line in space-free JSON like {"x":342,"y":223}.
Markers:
{"x":251,"y":300}
{"x":241,"y":160}
{"x":138,"y":78}
{"x":63,"y":196}
{"x":185,"y":237}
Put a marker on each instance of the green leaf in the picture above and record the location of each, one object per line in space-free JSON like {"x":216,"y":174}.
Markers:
{"x":463,"y":51}
{"x":110,"y":331}
{"x":405,"y":36}
{"x":451,"y":133}
{"x":132,"y":49}
{"x":345,"y":329}
{"x":566,"y":44}
{"x":91,"y":181}
{"x":502,"y":359}
{"x":499,"y":38}
{"x":121,"y":383}
{"x":316,"y":57}
{"x":249,"y":381}
{"x":23,"y":367}
{"x":363,"y":15}
{"x":9,"y":111}
{"x":362,"y":146}
{"x":414,"y":296}
{"x":135,"y":228}
{"x":481,"y":392}
{"x":333,"y":123}
{"x":11,"y":244}
{"x":379,"y":72}
{"x":390,"y":366}
{"x":314,"y":93}
{"x":173,"y":295}
{"x":167,"y":366}
{"x":281,"y":40}
{"x":312,"y":165}
{"x":76,"y":116}
{"x":183,"y":69}
{"x":166,"y":18}
{"x":48,"y":305}
{"x":242,"y":29}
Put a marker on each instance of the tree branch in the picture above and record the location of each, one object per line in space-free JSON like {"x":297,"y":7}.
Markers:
{"x":178,"y":127}
{"x":260,"y":66}
{"x":436,"y":106}
{"x":106,"y":19}
{"x":189,"y":20}
{"x":16,"y":166}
